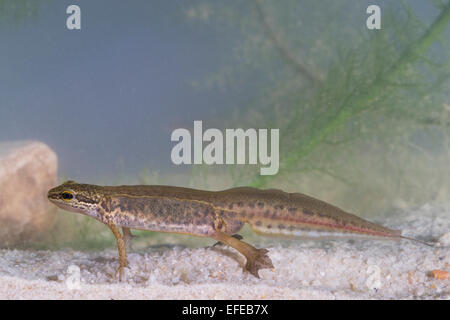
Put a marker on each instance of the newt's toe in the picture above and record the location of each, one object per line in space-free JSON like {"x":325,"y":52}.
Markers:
{"x":120,"y":270}
{"x":260,"y":261}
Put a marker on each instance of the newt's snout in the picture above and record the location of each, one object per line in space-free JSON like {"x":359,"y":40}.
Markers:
{"x":52,"y":194}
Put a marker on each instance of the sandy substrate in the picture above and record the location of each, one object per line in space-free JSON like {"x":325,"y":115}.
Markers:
{"x":360,"y":269}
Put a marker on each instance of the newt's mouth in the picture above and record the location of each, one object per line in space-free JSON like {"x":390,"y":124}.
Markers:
{"x":72,"y":207}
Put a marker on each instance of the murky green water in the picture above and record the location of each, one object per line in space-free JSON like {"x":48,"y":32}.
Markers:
{"x":363,"y":115}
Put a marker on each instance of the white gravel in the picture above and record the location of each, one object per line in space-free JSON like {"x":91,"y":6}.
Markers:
{"x":360,"y":269}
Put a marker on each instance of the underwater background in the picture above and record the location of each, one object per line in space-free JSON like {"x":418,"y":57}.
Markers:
{"x":364,"y":115}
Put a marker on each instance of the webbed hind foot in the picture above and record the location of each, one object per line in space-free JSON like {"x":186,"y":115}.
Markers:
{"x":258,"y":260}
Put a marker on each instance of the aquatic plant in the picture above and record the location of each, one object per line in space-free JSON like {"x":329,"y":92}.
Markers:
{"x":363,"y":114}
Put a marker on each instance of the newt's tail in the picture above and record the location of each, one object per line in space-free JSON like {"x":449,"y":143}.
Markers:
{"x":417,"y":240}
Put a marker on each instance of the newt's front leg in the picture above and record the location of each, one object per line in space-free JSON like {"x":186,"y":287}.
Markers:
{"x":256,"y":258}
{"x":123,"y":261}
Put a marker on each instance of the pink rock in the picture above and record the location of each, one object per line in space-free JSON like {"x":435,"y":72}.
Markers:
{"x":28,"y":169}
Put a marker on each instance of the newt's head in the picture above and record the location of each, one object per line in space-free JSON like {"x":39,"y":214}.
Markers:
{"x":76,"y":197}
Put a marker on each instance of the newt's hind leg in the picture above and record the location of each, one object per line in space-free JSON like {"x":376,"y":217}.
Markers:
{"x":256,"y":258}
{"x":237,"y":236}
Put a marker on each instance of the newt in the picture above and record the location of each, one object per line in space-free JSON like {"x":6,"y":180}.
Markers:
{"x":215,"y":214}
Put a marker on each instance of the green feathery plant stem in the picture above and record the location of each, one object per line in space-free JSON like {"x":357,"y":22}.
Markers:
{"x":365,"y":100}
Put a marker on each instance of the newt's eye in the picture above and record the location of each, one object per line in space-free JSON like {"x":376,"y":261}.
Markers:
{"x":67,"y":195}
